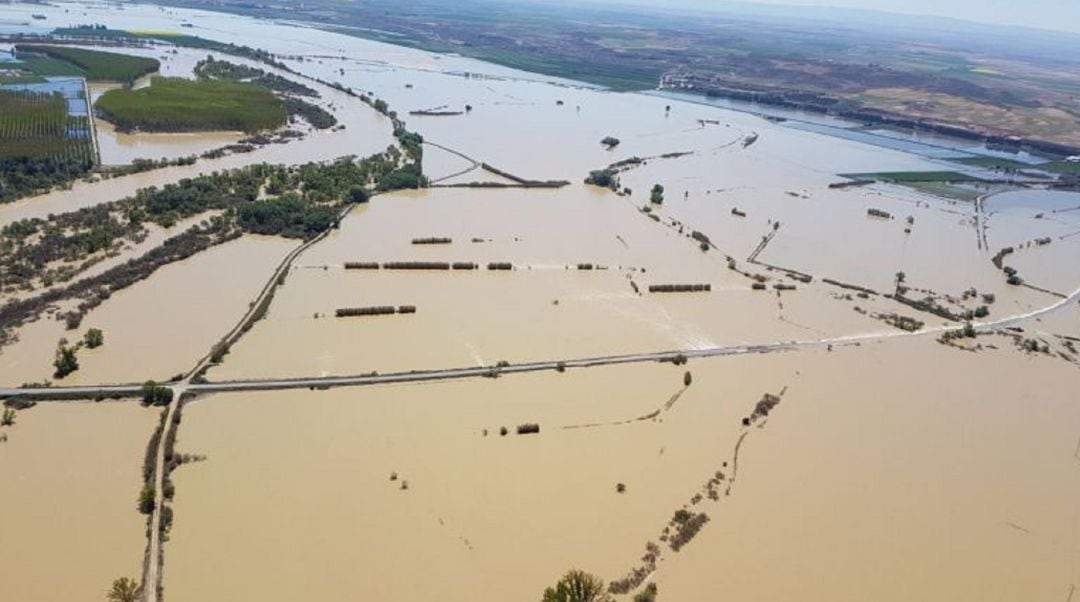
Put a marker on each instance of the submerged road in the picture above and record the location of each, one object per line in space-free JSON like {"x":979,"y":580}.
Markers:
{"x":328,"y":382}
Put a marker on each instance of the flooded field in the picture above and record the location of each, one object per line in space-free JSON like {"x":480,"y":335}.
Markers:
{"x":69,"y":477}
{"x":480,"y":317}
{"x":892,"y":468}
{"x":894,"y":488}
{"x":930,"y":468}
{"x":159,"y":327}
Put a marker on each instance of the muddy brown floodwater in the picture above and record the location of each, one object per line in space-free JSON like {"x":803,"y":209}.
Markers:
{"x":160,"y":327}
{"x":927,"y":477}
{"x":70,"y":475}
{"x":899,"y":470}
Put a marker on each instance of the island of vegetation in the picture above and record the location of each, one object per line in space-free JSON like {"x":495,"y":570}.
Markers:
{"x":291,"y":92}
{"x":94,"y":65}
{"x":180,"y":105}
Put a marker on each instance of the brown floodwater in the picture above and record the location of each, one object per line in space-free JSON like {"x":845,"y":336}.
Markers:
{"x":70,"y":475}
{"x":481,"y":317}
{"x":935,"y":474}
{"x":159,"y":327}
{"x":897,"y":471}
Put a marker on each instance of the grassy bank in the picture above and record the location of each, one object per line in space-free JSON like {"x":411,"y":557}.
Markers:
{"x":179,"y":105}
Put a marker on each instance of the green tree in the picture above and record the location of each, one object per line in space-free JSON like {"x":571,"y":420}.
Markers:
{"x":156,"y":395}
{"x":66,"y":362}
{"x":657,"y":194}
{"x":146,"y":499}
{"x":9,"y":418}
{"x":577,"y":586}
{"x":94,"y":338}
{"x":124,"y":590}
{"x":358,"y":194}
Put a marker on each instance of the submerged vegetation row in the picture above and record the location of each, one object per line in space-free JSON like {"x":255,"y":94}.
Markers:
{"x":379,"y":310}
{"x":304,"y":201}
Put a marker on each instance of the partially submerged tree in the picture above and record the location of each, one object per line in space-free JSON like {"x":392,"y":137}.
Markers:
{"x":124,"y":590}
{"x":657,"y":194}
{"x":66,"y":362}
{"x":577,"y":586}
{"x":94,"y":338}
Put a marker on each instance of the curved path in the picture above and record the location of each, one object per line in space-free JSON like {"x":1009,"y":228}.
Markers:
{"x":474,"y":163}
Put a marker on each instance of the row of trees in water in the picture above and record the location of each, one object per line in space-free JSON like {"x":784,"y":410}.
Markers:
{"x":305,"y":200}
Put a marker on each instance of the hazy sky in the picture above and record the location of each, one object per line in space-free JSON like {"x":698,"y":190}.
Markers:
{"x":1046,"y":14}
{"x":1051,"y":14}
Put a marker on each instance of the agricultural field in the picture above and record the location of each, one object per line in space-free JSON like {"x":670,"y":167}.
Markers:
{"x":1043,"y":122}
{"x":40,"y":144}
{"x":94,"y":65}
{"x":178,"y":105}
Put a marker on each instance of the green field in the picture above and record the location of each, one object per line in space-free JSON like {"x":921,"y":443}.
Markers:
{"x":92,"y":64}
{"x":180,"y":105}
{"x":41,"y":146}
{"x":45,"y":66}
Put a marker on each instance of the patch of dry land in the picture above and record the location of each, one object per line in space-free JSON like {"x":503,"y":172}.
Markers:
{"x":837,"y":432}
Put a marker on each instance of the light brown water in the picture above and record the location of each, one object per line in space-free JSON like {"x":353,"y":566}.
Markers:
{"x":159,"y":327}
{"x":899,"y":471}
{"x":482,"y":317}
{"x":889,"y":485}
{"x":70,"y":474}
{"x":950,"y":478}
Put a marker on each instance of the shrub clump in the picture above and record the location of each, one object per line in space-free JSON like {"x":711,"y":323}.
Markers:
{"x":686,"y":525}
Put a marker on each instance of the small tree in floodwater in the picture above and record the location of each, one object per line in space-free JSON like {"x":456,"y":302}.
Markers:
{"x":94,"y":338}
{"x":66,"y":362}
{"x":577,"y":586}
{"x":124,"y":590}
{"x":657,"y":194}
